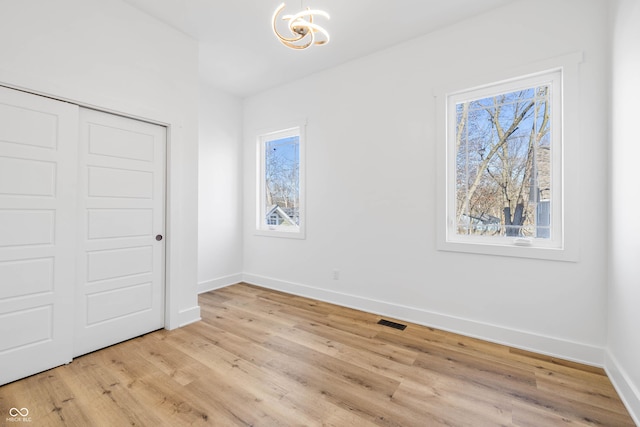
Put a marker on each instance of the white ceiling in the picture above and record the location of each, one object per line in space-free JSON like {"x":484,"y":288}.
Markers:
{"x":240,"y":54}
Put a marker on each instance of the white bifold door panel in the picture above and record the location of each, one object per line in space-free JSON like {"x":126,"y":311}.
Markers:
{"x":38,"y":174}
{"x":82,"y":197}
{"x":120,"y":292}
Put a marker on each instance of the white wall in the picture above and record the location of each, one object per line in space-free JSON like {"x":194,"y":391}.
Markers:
{"x":623,"y":362}
{"x":371,"y":186}
{"x":109,"y":55}
{"x":220,"y":189}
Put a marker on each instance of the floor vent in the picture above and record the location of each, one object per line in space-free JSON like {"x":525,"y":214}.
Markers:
{"x":392,"y":324}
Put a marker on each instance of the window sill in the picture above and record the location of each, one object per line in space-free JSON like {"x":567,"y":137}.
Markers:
{"x":511,"y":248}
{"x":281,"y":234}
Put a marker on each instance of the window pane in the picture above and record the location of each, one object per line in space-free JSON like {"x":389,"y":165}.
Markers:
{"x":282,"y":183}
{"x":503,"y":164}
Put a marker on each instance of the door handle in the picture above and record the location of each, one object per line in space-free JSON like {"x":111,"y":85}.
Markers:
{"x":159,"y":237}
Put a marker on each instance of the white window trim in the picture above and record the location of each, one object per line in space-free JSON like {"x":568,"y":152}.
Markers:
{"x":565,"y":245}
{"x":291,"y":129}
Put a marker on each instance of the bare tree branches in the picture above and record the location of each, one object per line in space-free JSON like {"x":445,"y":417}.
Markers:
{"x":497,"y":140}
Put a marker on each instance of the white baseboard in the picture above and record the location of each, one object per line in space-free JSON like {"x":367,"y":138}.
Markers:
{"x":628,"y":392}
{"x":221,"y":282}
{"x":550,"y":346}
{"x":190,"y":315}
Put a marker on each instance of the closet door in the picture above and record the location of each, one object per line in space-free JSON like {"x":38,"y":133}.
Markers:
{"x":121,"y":230}
{"x":38,"y":174}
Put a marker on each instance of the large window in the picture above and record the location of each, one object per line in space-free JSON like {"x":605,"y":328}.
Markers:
{"x":504,"y":169}
{"x":280,"y":180}
{"x":504,"y":147}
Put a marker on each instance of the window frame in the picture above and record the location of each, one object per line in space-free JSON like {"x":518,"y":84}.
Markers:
{"x":563,"y":244}
{"x":262,"y":227}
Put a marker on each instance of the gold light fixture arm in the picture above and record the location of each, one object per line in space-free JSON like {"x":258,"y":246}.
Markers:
{"x":304,"y":31}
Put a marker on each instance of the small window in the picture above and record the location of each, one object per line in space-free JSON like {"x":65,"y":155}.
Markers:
{"x":280,"y":205}
{"x":504,"y":167}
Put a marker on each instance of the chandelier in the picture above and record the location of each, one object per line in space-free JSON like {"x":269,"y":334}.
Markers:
{"x":304,"y":33}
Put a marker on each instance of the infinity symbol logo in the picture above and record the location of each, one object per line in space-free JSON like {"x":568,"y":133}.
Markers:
{"x":14,"y":412}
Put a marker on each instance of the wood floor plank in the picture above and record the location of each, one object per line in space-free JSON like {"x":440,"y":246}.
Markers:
{"x":264,"y":358}
{"x":104,"y":397}
{"x":361,"y":344}
{"x":451,"y":403}
{"x":394,"y":363}
{"x":48,"y":398}
{"x":595,"y":393}
{"x":554,"y":361}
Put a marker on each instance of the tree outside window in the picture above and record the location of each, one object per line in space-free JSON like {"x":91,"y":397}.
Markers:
{"x":508,"y":155}
{"x":280,"y":204}
{"x":282,"y":177}
{"x":503,"y":164}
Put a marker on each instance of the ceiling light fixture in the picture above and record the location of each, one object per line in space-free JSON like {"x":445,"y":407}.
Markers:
{"x":304,"y":32}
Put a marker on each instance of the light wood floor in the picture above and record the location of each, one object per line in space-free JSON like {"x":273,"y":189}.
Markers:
{"x":264,"y":358}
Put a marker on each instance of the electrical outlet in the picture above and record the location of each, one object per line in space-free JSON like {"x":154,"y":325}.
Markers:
{"x":335,"y":274}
